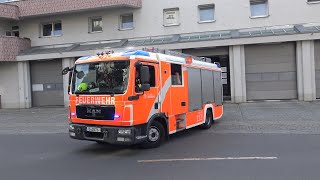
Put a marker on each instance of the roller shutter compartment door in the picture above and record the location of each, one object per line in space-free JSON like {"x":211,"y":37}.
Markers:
{"x":47,"y":83}
{"x":271,"y":71}
{"x":317,"y":64}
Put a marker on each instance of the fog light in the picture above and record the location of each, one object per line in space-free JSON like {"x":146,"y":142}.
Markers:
{"x":124,"y":131}
{"x":71,"y":127}
{"x":72,"y":134}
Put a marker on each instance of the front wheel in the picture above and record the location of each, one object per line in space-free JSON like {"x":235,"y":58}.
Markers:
{"x":209,"y":120}
{"x":155,"y":135}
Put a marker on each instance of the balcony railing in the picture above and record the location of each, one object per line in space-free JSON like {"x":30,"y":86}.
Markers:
{"x":9,"y":11}
{"x":29,"y":8}
{"x":10,"y":47}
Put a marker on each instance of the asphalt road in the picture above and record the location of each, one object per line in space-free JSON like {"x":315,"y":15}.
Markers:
{"x":55,"y":156}
{"x":276,"y":140}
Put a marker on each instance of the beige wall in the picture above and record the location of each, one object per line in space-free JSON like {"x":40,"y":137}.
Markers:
{"x":214,"y":51}
{"x":317,"y":66}
{"x":148,"y":20}
{"x":9,"y":85}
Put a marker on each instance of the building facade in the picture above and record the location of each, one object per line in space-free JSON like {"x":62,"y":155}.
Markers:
{"x":268,"y":49}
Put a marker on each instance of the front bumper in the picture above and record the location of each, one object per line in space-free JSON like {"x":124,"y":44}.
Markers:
{"x":109,"y":134}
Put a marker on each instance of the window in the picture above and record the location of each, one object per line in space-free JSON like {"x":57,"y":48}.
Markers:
{"x":51,"y":29}
{"x":4,"y":1}
{"x":152,"y":76}
{"x":206,"y":13}
{"x":8,"y":33}
{"x":176,"y":74}
{"x":313,"y":1}
{"x":95,"y":24}
{"x":259,"y":8}
{"x":126,"y":22}
{"x":14,"y":31}
{"x":171,"y":17}
{"x":109,"y":77}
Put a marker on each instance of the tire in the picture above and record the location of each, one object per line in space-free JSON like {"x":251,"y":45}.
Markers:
{"x":209,"y":120}
{"x":155,"y":135}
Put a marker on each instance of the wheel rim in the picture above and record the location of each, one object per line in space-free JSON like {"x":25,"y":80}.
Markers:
{"x":154,"y":134}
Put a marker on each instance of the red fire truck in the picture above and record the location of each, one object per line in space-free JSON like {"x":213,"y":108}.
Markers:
{"x":142,"y":96}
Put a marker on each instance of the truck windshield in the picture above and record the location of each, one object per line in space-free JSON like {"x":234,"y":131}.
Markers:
{"x":101,"y":78}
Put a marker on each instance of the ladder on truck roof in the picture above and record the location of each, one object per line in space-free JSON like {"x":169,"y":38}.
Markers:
{"x":178,"y":54}
{"x":173,"y":53}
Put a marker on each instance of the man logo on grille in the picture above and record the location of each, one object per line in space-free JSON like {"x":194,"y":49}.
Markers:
{"x":93,"y":111}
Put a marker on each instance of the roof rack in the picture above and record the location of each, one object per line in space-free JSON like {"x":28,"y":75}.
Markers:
{"x":175,"y":53}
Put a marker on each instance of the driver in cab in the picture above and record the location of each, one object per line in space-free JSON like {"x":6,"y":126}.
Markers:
{"x":138,"y":82}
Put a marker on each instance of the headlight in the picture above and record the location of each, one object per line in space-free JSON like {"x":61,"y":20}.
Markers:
{"x":124,"y":131}
{"x":71,"y":127}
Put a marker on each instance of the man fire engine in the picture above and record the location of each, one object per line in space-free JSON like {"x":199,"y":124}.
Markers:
{"x":142,"y":96}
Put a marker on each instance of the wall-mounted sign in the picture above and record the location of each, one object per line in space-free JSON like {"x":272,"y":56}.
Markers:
{"x":171,"y":17}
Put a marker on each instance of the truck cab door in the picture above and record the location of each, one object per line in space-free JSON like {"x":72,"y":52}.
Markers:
{"x":148,"y":103}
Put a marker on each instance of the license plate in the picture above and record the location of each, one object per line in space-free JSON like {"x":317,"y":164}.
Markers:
{"x":94,"y":129}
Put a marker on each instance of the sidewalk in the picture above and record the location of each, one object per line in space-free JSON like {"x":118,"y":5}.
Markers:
{"x":290,"y":117}
{"x":257,"y":117}
{"x":33,"y":121}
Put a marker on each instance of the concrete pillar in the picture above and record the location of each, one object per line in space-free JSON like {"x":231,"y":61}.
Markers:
{"x":66,"y":62}
{"x":24,"y":84}
{"x":306,"y":71}
{"x":237,"y":74}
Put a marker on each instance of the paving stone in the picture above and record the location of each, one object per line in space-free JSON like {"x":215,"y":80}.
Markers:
{"x":259,"y":117}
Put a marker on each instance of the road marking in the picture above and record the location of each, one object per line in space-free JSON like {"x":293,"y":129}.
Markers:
{"x":207,"y":159}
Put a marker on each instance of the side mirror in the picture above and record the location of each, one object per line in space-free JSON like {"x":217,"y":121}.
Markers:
{"x":69,"y":82}
{"x":65,"y":70}
{"x":145,"y":78}
{"x":145,"y":75}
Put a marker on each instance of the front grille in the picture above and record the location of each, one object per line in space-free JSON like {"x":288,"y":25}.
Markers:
{"x":94,"y":135}
{"x":95,"y":112}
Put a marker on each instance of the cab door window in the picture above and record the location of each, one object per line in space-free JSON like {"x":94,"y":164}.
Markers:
{"x":176,"y":74}
{"x":152,"y":78}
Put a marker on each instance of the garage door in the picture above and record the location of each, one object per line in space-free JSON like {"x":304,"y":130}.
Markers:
{"x":317,"y":63}
{"x":47,"y":83}
{"x":271,"y":71}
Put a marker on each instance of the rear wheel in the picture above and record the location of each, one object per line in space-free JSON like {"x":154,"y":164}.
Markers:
{"x":209,"y":120}
{"x":155,"y":135}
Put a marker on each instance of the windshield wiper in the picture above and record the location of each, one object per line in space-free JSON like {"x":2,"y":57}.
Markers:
{"x":112,"y":93}
{"x":85,"y":92}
